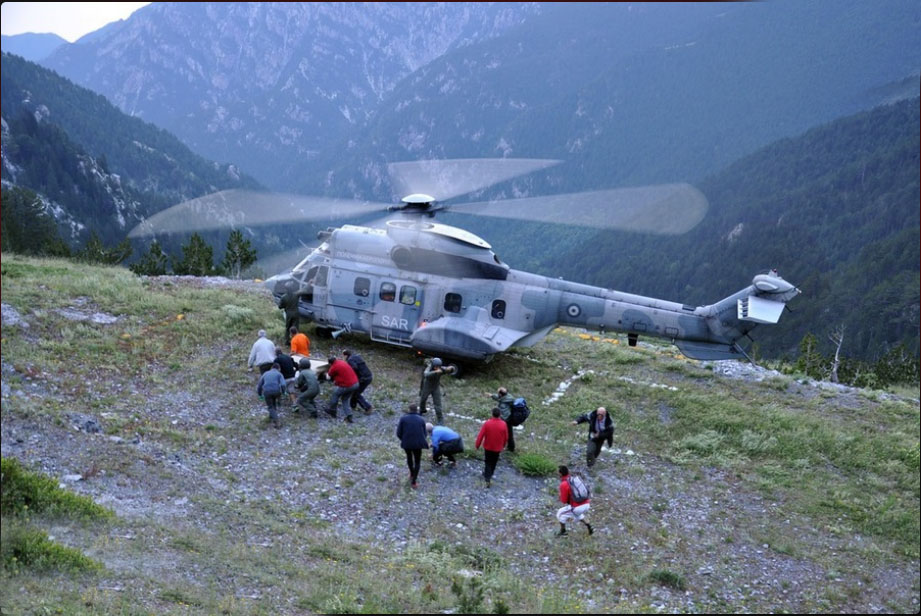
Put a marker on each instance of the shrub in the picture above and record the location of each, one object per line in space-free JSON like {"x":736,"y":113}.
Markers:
{"x":535,"y":465}
{"x":27,"y":548}
{"x":22,"y":491}
{"x":668,"y":578}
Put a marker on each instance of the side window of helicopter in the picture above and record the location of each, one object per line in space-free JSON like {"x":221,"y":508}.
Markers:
{"x":388,"y":291}
{"x":320,"y":278}
{"x":362,"y":287}
{"x":453,"y":302}
{"x":498,"y":309}
{"x":311,"y":274}
{"x":408,"y":295}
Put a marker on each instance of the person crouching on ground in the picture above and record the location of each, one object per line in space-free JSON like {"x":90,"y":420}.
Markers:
{"x":572,"y":509}
{"x":445,"y":443}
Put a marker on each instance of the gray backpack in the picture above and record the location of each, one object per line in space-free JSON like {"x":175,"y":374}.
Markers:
{"x":578,"y":491}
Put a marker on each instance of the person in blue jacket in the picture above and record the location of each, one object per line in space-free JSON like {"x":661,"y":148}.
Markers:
{"x":445,"y":443}
{"x":272,"y":385}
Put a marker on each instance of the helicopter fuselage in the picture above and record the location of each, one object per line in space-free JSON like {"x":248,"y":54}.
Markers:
{"x":443,"y":291}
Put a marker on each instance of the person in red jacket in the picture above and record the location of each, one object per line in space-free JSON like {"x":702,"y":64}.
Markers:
{"x":493,"y":436}
{"x":574,"y":509}
{"x":346,"y":381}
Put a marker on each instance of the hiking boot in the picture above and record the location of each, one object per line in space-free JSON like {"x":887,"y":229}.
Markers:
{"x":331,"y":412}
{"x":348,"y":419}
{"x":561,"y":532}
{"x":590,"y":529}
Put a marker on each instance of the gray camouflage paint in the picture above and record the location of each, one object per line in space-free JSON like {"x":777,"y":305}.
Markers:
{"x":366,"y":292}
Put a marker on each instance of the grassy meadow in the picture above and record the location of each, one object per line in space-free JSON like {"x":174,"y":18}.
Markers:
{"x":720,"y":494}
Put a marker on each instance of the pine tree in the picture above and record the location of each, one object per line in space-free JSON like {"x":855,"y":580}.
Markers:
{"x":151,"y":264}
{"x":95,"y":251}
{"x":197,"y":258}
{"x":239,"y":254}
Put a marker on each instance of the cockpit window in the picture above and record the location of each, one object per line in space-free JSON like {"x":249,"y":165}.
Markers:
{"x":320,"y":278}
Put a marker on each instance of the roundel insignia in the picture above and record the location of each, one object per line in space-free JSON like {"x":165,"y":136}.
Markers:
{"x":573,"y":310}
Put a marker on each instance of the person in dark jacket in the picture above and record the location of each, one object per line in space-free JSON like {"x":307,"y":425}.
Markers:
{"x":600,"y":429}
{"x":364,"y":379}
{"x":504,"y":403}
{"x":271,"y":386}
{"x":288,"y":370}
{"x":289,"y":303}
{"x":412,"y":434}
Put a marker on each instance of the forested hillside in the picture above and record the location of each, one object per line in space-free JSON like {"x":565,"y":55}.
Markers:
{"x":93,"y":166}
{"x":835,"y":210}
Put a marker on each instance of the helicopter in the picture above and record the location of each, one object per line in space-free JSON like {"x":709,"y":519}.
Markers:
{"x":443,"y":291}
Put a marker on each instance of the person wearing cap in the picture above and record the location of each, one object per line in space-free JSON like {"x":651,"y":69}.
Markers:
{"x":600,"y":429}
{"x":308,"y":386}
{"x":431,"y":386}
{"x":346,"y":381}
{"x":262,"y":354}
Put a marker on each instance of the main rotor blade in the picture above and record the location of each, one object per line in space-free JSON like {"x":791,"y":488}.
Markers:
{"x":241,"y":208}
{"x":445,"y":179}
{"x":283,"y":261}
{"x":668,"y":209}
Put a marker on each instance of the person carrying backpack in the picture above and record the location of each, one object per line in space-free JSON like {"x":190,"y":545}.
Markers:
{"x":574,"y":494}
{"x":504,"y":404}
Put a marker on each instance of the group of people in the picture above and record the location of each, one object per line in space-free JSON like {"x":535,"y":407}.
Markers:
{"x":280,"y":374}
{"x":351,"y":376}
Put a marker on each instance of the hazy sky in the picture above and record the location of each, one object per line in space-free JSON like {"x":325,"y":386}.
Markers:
{"x":69,"y":20}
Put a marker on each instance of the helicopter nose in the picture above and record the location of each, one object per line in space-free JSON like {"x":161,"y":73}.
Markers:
{"x":276,"y":284}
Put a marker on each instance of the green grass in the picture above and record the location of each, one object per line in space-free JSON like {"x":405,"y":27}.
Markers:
{"x":844,"y":469}
{"x":24,"y":492}
{"x":28,"y":550}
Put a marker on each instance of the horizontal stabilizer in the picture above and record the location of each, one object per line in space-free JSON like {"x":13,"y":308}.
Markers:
{"x":708,"y":350}
{"x":760,"y":310}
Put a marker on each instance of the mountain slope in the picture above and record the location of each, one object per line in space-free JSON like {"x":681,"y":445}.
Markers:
{"x":270,"y":84}
{"x":31,"y":46}
{"x":102,"y":169}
